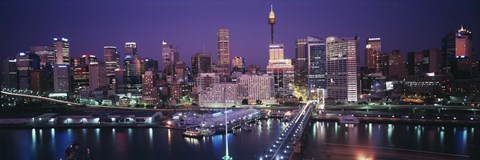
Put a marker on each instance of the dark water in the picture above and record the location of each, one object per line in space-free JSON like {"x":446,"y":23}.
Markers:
{"x":135,"y":143}
{"x":458,"y":140}
{"x":159,"y":143}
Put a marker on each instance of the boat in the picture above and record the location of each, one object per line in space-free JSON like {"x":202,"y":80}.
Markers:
{"x":192,"y":133}
{"x":207,"y":132}
{"x":349,"y":119}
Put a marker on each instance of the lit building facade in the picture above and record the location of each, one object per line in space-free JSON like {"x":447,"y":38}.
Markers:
{"x":281,"y":69}
{"x":204,"y":80}
{"x":130,"y":49}
{"x":149,"y":90}
{"x":373,"y":54}
{"x":238,"y":64}
{"x":61,"y":78}
{"x":258,"y":87}
{"x":26,"y":62}
{"x":112,"y":62}
{"x":342,"y":69}
{"x":61,"y":48}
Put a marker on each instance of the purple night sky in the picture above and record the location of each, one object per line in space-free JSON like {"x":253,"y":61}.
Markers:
{"x":408,"y":25}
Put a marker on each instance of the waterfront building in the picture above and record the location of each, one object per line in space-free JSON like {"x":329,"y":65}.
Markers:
{"x":61,"y":48}
{"x":258,"y":87}
{"x":201,"y":63}
{"x":394,"y":65}
{"x":342,"y":69}
{"x":219,"y":95}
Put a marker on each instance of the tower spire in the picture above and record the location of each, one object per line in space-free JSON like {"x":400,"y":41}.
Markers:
{"x":271,"y":21}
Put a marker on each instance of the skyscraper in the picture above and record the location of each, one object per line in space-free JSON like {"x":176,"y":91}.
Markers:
{"x":26,"y":62}
{"x":130,"y":49}
{"x":373,"y":54}
{"x":112,"y":61}
{"x":61,"y":50}
{"x":98,"y":76}
{"x":301,"y":68}
{"x":463,"y":43}
{"x":223,"y":44}
{"x":61,"y":78}
{"x":342,"y":69}
{"x":449,"y":63}
{"x":149,"y":90}
{"x":281,"y":69}
{"x":271,"y":21}
{"x":316,"y":63}
{"x":169,"y":58}
{"x":201,"y":63}
{"x":133,"y":75}
{"x":10,"y":73}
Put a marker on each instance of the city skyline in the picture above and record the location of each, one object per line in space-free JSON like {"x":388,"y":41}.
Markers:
{"x":248,"y":29}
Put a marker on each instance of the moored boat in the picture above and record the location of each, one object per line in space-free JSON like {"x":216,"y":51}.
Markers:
{"x":349,"y":119}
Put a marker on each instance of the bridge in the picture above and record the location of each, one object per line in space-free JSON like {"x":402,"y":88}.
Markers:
{"x":288,"y":141}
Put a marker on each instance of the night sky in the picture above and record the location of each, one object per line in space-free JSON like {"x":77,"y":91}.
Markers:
{"x":191,"y":25}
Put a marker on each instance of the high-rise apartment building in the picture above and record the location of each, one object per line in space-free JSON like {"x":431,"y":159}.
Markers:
{"x":342,"y":69}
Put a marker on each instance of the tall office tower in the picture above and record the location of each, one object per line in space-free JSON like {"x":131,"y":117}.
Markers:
{"x":98,"y":75}
{"x":301,"y":68}
{"x":449,"y":63}
{"x":130,"y":49}
{"x":149,"y":90}
{"x":10,"y":73}
{"x":342,"y":69}
{"x":373,"y":54}
{"x":463,"y":44}
{"x":119,"y":81}
{"x":61,"y":49}
{"x":203,"y":80}
{"x":112,"y":61}
{"x":26,"y":62}
{"x":40,"y":80}
{"x":271,"y":21}
{"x":61,"y":78}
{"x":466,"y":60}
{"x":150,"y":65}
{"x":395,"y":66}
{"x":201,"y":63}
{"x":422,"y":62}
{"x":133,"y":75}
{"x":281,"y":69}
{"x":253,"y":69}
{"x":316,"y":58}
{"x":223,"y":46}
{"x":46,"y":54}
{"x":169,"y":58}
{"x":81,"y":74}
{"x":238,"y":64}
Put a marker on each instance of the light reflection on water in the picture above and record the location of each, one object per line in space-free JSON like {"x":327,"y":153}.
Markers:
{"x":442,"y":139}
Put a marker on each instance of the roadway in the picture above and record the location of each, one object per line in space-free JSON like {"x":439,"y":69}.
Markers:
{"x":284,"y":146}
